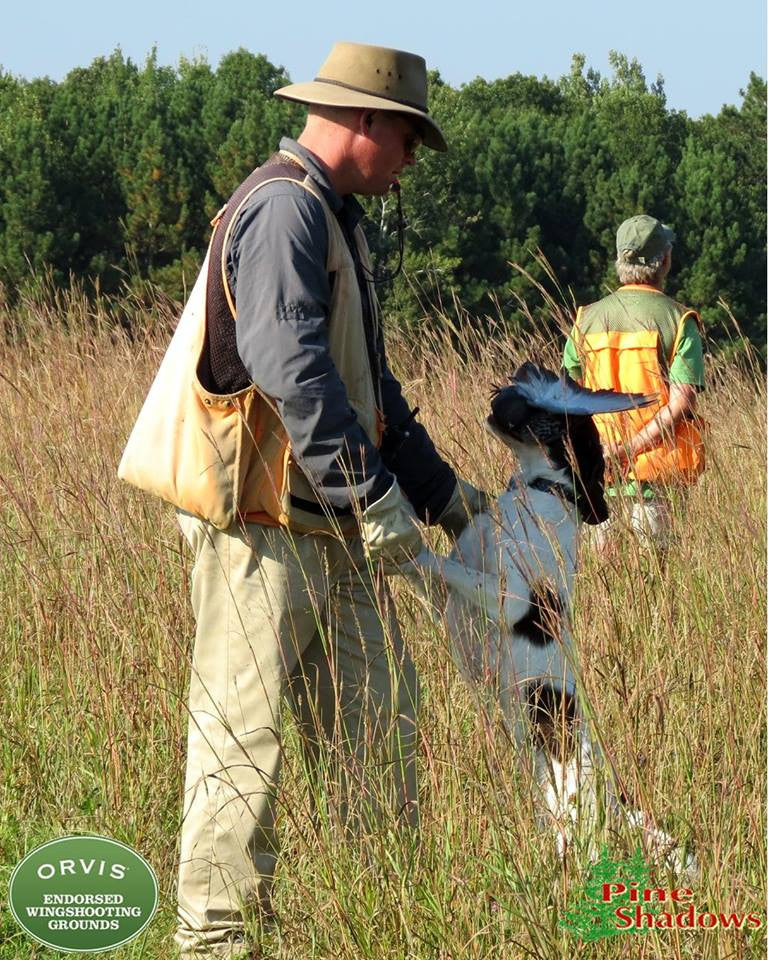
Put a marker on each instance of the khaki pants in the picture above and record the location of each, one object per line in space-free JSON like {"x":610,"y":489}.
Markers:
{"x":280,"y":615}
{"x":649,"y":520}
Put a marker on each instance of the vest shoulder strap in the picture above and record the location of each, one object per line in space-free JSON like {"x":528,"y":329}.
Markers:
{"x":220,"y":369}
{"x":276,"y":168}
{"x":678,"y":334}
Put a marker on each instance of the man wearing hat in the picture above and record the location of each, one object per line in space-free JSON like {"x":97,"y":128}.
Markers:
{"x":638,"y":339}
{"x":330,"y":472}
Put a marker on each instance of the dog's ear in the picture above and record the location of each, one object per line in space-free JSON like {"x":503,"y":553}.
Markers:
{"x":586,"y":459}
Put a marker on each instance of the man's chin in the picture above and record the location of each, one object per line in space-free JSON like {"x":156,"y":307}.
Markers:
{"x":376,"y":187}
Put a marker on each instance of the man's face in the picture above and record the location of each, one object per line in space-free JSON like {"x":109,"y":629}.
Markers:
{"x":387,"y":145}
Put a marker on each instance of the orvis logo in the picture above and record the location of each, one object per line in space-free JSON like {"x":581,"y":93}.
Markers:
{"x":83,"y":894}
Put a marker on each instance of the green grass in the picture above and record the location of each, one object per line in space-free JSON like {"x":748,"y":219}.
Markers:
{"x":96,"y":640}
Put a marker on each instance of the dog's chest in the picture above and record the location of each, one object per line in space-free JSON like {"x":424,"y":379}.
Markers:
{"x":528,"y":546}
{"x":530,"y":536}
{"x":536,"y":539}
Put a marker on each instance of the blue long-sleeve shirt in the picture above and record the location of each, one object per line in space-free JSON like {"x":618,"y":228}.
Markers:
{"x":276,"y":269}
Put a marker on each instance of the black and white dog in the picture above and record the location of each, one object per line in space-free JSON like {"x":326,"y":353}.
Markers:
{"x":509,"y":582}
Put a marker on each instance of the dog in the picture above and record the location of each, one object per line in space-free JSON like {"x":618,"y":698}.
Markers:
{"x":509,"y":581}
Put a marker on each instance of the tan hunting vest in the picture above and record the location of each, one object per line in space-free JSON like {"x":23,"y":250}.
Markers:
{"x":227,"y":458}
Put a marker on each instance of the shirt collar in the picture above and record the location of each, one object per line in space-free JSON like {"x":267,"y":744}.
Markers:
{"x":641,"y":286}
{"x":347,"y":206}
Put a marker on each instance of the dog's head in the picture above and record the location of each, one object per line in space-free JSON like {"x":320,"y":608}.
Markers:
{"x":541,"y":414}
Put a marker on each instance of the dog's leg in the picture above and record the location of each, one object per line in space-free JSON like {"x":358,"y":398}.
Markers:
{"x":481,"y":590}
{"x":565,"y":764}
{"x":662,"y":848}
{"x":575,"y":786}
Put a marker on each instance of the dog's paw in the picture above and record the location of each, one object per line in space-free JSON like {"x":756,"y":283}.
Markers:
{"x":667,"y":853}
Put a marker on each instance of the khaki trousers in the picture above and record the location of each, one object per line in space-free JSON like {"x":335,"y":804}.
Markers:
{"x":296,"y":616}
{"x":649,"y":520}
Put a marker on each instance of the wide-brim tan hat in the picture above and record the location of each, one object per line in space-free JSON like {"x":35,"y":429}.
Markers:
{"x":376,"y":78}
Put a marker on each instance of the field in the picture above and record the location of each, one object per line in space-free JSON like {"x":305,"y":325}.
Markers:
{"x":96,"y":639}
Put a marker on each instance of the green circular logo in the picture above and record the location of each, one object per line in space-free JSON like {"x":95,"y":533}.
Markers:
{"x":83,"y":893}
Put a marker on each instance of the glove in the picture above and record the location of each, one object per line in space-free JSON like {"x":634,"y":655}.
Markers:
{"x":389,"y":530}
{"x":465,"y":502}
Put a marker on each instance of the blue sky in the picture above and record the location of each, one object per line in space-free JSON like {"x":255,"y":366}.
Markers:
{"x":704,"y":51}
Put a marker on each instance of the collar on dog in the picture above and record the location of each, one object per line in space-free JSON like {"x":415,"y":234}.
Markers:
{"x":546,"y":486}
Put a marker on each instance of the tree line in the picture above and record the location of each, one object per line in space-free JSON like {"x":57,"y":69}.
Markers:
{"x":112,"y":175}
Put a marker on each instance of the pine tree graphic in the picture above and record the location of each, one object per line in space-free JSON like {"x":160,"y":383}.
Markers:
{"x":589,"y":917}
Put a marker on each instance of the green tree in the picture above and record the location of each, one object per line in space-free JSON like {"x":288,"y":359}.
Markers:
{"x":622,"y":148}
{"x":38,"y":230}
{"x":720,"y":217}
{"x":242,"y":121}
{"x":89,"y":117}
{"x":116,"y":171}
{"x":154,"y":181}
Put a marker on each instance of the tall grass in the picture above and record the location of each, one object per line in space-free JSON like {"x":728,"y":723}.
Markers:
{"x":96,"y":640}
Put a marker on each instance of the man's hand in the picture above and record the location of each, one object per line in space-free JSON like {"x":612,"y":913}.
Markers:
{"x":617,"y":455}
{"x":389,"y":530}
{"x":465,"y":502}
{"x":661,"y":429}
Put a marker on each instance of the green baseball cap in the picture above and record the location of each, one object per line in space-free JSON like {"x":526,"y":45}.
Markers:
{"x":642,"y":239}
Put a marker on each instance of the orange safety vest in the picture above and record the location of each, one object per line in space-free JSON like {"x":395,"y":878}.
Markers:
{"x":624,"y":353}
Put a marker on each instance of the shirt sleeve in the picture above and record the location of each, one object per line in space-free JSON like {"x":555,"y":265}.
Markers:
{"x":688,"y":362}
{"x":408,"y":451}
{"x":277,"y":271}
{"x":571,"y":360}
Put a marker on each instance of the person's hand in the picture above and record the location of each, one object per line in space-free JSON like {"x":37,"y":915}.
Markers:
{"x":389,"y":530}
{"x":466,"y":501}
{"x":617,"y":457}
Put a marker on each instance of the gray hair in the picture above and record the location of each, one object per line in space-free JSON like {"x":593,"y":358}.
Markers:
{"x":651,"y":273}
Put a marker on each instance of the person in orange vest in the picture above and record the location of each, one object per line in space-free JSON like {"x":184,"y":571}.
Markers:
{"x":639,"y":340}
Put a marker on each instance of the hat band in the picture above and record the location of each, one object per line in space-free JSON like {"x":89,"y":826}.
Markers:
{"x":373,"y":93}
